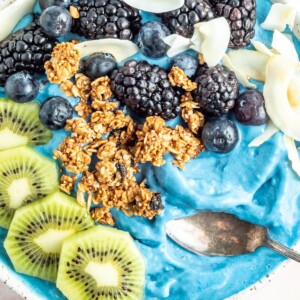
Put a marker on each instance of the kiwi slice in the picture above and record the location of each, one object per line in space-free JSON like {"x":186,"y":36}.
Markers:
{"x":25,"y":176}
{"x":20,"y":125}
{"x":101,"y":263}
{"x":38,"y":230}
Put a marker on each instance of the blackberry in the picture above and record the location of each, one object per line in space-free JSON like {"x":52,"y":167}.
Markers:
{"x":26,"y":50}
{"x":106,"y":19}
{"x":241,"y":15}
{"x":182,"y":20}
{"x":217,"y":90}
{"x":156,"y":202}
{"x":146,"y":90}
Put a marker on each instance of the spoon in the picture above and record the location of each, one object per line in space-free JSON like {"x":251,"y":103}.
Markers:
{"x":222,"y":234}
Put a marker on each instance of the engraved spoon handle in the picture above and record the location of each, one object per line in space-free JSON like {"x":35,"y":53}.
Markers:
{"x":279,"y":248}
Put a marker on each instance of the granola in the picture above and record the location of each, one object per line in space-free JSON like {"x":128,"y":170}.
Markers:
{"x":101,"y":89}
{"x":103,"y":216}
{"x":178,"y":78}
{"x":67,"y":183}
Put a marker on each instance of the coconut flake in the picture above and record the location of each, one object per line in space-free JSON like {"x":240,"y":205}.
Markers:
{"x":120,"y":49}
{"x":177,"y":43}
{"x":12,"y":13}
{"x":292,"y":153}
{"x":156,"y":6}
{"x":241,"y":76}
{"x":284,"y":46}
{"x":279,"y":17}
{"x":268,"y":133}
{"x":280,"y":73}
{"x":296,"y":28}
{"x":259,"y":46}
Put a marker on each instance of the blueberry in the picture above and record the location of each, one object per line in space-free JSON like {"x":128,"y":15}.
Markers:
{"x":250,"y":108}
{"x":21,"y":87}
{"x":187,"y":63}
{"x":100,"y":64}
{"x":56,"y":21}
{"x":150,"y":39}
{"x":220,"y":135}
{"x":55,"y":112}
{"x":48,"y":3}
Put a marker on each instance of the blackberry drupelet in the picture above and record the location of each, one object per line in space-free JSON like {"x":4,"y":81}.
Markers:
{"x":146,"y":90}
{"x":241,"y":15}
{"x":182,"y":20}
{"x":217,"y":90}
{"x":26,"y":50}
{"x":106,"y":19}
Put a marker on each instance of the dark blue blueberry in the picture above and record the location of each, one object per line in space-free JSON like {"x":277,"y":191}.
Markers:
{"x":150,"y":39}
{"x":56,"y":21}
{"x":187,"y":63}
{"x":55,"y":112}
{"x":48,"y":3}
{"x":250,"y":108}
{"x":220,"y":135}
{"x":21,"y":87}
{"x":100,"y":64}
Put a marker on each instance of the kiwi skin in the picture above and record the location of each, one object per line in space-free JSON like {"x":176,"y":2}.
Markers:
{"x":16,"y":166}
{"x":101,"y":246}
{"x":52,"y":219}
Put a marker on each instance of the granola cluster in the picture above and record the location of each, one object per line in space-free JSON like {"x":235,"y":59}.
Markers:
{"x":67,"y":183}
{"x":178,"y":78}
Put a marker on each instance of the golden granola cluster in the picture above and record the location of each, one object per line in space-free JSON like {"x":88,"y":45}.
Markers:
{"x":178,"y":78}
{"x":67,"y":183}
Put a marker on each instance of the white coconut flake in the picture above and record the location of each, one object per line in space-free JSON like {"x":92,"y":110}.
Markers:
{"x":155,"y":6}
{"x":12,"y":13}
{"x":177,"y":43}
{"x":268,"y":133}
{"x":292,"y":153}
{"x":120,"y":49}
{"x":296,"y":28}
{"x":241,"y":76}
{"x":259,"y":46}
{"x":280,"y":16}
{"x":280,"y":73}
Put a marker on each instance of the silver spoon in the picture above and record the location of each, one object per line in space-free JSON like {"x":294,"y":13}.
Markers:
{"x":222,"y":234}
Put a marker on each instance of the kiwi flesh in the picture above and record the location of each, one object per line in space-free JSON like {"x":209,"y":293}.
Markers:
{"x":101,"y":263}
{"x":25,"y":176}
{"x":38,"y":230}
{"x":20,"y":125}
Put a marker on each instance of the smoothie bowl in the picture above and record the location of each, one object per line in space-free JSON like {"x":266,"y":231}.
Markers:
{"x":129,"y":114}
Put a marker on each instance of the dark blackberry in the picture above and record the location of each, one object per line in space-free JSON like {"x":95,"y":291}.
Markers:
{"x":26,"y":50}
{"x":146,"y":90}
{"x":182,"y":20}
{"x":156,"y":202}
{"x":241,"y":15}
{"x":106,"y":19}
{"x":217,"y":90}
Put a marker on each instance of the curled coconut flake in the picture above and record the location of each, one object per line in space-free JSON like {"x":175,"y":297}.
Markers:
{"x":292,"y":153}
{"x":268,"y":133}
{"x":12,"y":13}
{"x":120,"y":49}
{"x":280,"y":73}
{"x":296,"y":28}
{"x":241,"y":76}
{"x":279,"y":17}
{"x":259,"y":46}
{"x":177,"y":43}
{"x":155,"y":6}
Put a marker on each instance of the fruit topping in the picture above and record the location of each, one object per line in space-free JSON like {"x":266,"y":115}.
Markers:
{"x":146,"y":90}
{"x":187,"y":63}
{"x":106,"y":19}
{"x":21,"y":87}
{"x":25,"y":177}
{"x":26,"y":50}
{"x":20,"y":125}
{"x":101,"y":263}
{"x":55,"y":112}
{"x":241,"y":16}
{"x":156,"y":6}
{"x":220,"y":135}
{"x":99,"y":65}
{"x":156,"y":202}
{"x":250,"y":108}
{"x":151,"y":39}
{"x":181,"y":21}
{"x":37,"y":232}
{"x":217,"y":90}
{"x":44,"y":4}
{"x":56,"y":21}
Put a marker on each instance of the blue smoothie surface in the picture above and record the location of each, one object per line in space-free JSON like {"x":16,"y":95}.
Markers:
{"x":255,"y":184}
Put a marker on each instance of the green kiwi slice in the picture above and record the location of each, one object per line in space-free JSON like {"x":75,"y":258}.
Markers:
{"x":101,"y":263}
{"x":20,"y":125}
{"x":38,"y":230}
{"x":25,"y":176}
